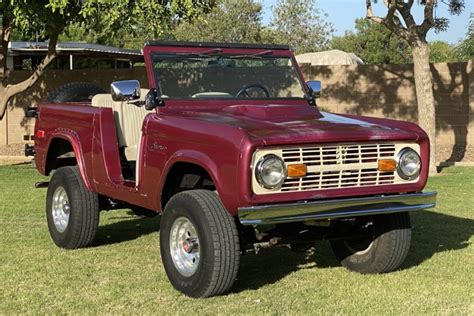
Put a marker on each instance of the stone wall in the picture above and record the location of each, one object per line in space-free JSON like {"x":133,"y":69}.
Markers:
{"x":388,"y":91}
{"x":382,"y":91}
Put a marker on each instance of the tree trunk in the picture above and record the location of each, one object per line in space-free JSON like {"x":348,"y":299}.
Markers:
{"x":424,"y":97}
{"x":10,"y":90}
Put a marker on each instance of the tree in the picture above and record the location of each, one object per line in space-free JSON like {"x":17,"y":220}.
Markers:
{"x":465,"y":49}
{"x":17,"y":14}
{"x":400,"y":20}
{"x":300,"y":24}
{"x":374,"y":44}
{"x":229,"y":21}
{"x":48,"y":18}
{"x":442,"y":52}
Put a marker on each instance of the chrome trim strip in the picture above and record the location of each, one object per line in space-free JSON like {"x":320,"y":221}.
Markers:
{"x":337,"y":208}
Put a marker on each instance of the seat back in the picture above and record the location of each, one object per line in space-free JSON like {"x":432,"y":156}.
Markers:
{"x":128,"y":121}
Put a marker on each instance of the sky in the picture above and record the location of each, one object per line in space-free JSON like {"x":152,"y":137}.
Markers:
{"x":342,"y":14}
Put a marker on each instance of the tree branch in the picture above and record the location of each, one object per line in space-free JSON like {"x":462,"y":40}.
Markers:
{"x":391,"y":21}
{"x":13,"y":89}
{"x":370,"y":15}
{"x":428,"y":20}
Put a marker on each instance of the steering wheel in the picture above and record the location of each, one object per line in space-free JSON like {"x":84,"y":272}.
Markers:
{"x":243,"y":90}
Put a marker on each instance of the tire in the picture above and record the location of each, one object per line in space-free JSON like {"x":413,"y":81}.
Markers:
{"x":210,"y":267}
{"x":72,"y":224}
{"x":74,"y":92}
{"x":383,"y":249}
{"x":143,"y":212}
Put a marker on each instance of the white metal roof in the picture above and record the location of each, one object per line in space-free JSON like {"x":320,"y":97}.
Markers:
{"x":330,"y":57}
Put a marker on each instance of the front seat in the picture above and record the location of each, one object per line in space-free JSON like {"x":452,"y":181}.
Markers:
{"x":128,"y":121}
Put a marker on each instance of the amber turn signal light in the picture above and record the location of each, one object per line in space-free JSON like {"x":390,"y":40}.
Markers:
{"x":297,"y":170}
{"x":387,"y":165}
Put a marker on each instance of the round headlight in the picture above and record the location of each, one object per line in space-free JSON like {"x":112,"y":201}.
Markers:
{"x":270,"y":171}
{"x":409,"y":164}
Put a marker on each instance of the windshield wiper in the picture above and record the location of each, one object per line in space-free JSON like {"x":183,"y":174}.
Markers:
{"x":257,"y":55}
{"x":204,"y":54}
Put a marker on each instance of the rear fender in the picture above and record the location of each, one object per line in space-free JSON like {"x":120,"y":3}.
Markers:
{"x":73,"y":138}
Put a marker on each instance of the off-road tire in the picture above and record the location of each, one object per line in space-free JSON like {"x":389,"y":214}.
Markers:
{"x":74,"y":92}
{"x":389,"y":245}
{"x":84,"y":210}
{"x":218,"y":243}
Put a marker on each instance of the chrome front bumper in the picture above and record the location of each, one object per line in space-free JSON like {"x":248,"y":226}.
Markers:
{"x":338,"y":208}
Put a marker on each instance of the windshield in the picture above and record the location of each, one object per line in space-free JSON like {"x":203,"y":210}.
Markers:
{"x":213,"y":76}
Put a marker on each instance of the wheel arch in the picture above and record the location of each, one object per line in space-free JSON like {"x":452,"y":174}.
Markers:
{"x":182,"y":164}
{"x":64,"y":150}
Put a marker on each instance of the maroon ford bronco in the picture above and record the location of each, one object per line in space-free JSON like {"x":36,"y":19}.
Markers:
{"x":229,"y":146}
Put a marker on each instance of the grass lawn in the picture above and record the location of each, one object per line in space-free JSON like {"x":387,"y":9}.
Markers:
{"x":123,"y":273}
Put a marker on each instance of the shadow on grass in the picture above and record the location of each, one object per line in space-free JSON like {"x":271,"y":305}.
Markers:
{"x":128,"y":228}
{"x":432,"y":233}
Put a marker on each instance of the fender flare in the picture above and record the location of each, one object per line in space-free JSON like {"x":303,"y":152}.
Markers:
{"x":73,"y":138}
{"x":193,"y":157}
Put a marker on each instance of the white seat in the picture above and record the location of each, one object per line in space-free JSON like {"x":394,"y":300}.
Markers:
{"x":128,"y":121}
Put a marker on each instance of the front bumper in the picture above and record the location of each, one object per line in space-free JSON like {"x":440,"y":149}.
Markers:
{"x":338,"y":208}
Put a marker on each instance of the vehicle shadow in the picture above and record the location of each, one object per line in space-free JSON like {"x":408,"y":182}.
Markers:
{"x":432,"y":233}
{"x":128,"y":228}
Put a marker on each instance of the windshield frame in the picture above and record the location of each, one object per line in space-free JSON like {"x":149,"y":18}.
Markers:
{"x":150,"y":52}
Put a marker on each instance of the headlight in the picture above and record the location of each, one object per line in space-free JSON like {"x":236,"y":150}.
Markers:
{"x":409,"y":164}
{"x":270,"y":171}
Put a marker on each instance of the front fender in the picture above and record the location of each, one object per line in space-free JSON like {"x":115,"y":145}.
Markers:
{"x":218,"y":173}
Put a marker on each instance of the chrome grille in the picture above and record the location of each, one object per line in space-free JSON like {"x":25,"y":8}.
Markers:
{"x":339,"y":166}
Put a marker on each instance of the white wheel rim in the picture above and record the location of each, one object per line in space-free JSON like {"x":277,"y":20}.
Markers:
{"x":184,"y":246}
{"x":60,"y":209}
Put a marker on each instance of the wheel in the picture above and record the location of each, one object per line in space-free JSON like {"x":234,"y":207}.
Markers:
{"x":141,"y":211}
{"x":72,"y":211}
{"x":199,"y":244}
{"x":383,"y":248}
{"x":74,"y":92}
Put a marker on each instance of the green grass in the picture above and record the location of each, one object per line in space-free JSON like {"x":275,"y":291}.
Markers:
{"x":123,"y":272}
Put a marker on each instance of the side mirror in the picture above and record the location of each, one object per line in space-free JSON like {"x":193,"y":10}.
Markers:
{"x":314,"y":88}
{"x":126,"y":90}
{"x":152,"y":100}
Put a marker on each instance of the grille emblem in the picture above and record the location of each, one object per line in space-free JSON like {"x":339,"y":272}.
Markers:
{"x":341,"y":153}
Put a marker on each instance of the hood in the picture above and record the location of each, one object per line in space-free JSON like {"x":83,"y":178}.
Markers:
{"x":281,"y":124}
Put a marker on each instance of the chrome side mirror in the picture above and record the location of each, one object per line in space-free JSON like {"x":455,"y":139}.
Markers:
{"x":126,"y":90}
{"x":314,"y":88}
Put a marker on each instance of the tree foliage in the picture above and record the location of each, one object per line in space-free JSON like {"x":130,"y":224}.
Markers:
{"x":108,"y":18}
{"x":374,"y":44}
{"x":465,"y":49}
{"x":300,"y":24}
{"x":442,"y":52}
{"x":230,"y":21}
